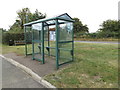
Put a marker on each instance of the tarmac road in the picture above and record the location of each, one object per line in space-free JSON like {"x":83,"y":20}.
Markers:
{"x":99,"y":42}
{"x":13,"y":77}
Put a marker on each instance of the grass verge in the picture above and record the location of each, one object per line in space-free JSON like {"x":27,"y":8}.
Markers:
{"x":95,"y":66}
{"x":13,"y":49}
{"x":96,"y":39}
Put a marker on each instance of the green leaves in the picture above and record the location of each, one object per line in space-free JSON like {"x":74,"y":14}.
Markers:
{"x":110,"y":28}
{"x":24,"y":16}
{"x":37,"y":15}
{"x":79,"y":27}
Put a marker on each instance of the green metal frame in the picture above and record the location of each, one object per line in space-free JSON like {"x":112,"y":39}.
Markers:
{"x":33,"y":45}
{"x":43,"y":61}
{"x":25,"y":41}
{"x":57,"y":29}
{"x":57,"y":49}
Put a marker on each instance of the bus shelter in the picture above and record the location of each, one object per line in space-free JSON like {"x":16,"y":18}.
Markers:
{"x":52,"y":37}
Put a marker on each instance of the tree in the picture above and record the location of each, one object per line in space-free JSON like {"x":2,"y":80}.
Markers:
{"x":79,"y":27}
{"x":2,"y":30}
{"x":109,"y":25}
{"x":16,"y":27}
{"x":37,"y":15}
{"x":25,"y":16}
{"x":22,"y":16}
{"x":110,"y":28}
{"x":25,"y":13}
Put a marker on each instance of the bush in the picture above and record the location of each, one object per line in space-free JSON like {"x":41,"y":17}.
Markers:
{"x":6,"y":37}
{"x":99,"y":35}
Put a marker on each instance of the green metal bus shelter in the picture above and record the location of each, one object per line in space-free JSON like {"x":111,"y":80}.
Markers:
{"x":50,"y":37}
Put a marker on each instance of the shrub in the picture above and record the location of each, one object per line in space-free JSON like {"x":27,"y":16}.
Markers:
{"x":6,"y":37}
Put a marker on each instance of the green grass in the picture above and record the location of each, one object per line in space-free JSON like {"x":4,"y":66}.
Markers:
{"x":95,"y":66}
{"x":96,"y":39}
{"x":13,"y":49}
{"x":20,"y":49}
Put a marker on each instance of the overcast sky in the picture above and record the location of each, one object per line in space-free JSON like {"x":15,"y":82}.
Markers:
{"x":90,"y":12}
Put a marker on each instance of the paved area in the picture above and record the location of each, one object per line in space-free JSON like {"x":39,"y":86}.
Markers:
{"x":36,"y":66}
{"x":112,"y":42}
{"x":0,"y":73}
{"x":13,"y":77}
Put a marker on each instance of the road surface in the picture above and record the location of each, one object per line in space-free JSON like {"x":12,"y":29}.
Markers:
{"x":98,"y":42}
{"x":13,"y":77}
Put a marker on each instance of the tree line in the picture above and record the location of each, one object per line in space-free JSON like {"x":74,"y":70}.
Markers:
{"x":109,"y":28}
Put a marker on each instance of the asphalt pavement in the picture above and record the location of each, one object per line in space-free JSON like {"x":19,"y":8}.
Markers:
{"x":0,"y":73}
{"x":13,"y":77}
{"x":109,"y":42}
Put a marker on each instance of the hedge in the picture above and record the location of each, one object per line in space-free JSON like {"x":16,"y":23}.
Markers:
{"x":6,"y":37}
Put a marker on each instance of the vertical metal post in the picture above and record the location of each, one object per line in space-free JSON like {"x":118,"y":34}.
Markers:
{"x":40,"y":41}
{"x":33,"y":44}
{"x":26,"y":20}
{"x":42,"y":31}
{"x":73,"y":42}
{"x":57,"y":57}
{"x":48,"y":41}
{"x":25,"y":41}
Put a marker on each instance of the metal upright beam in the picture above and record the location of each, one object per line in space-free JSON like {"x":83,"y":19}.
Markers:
{"x":57,"y":55}
{"x":33,"y":54}
{"x":48,"y":41}
{"x":25,"y":41}
{"x":40,"y":40}
{"x":73,"y":43}
{"x":42,"y":35}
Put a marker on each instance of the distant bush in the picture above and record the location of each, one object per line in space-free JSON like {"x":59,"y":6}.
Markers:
{"x":104,"y":35}
{"x":6,"y":37}
{"x":98,"y":35}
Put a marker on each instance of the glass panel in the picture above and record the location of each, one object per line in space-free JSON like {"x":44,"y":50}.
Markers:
{"x":52,"y":48}
{"x":46,"y":39}
{"x":51,"y":22}
{"x":65,"y":45}
{"x":65,"y":31}
{"x":65,"y":42}
{"x":45,"y":49}
{"x":37,"y":47}
{"x":65,"y":52}
{"x":29,"y":39}
{"x":37,"y":35}
{"x":64,"y":56}
{"x":37,"y":51}
{"x":37,"y":29}
{"x":65,"y":16}
{"x":37,"y":32}
{"x":61,"y":21}
{"x":52,"y":35}
{"x":52,"y":52}
{"x":46,"y":33}
{"x":37,"y":26}
{"x":28,"y":34}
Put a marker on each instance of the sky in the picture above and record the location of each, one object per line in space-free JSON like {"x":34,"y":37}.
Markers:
{"x":90,"y":12}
